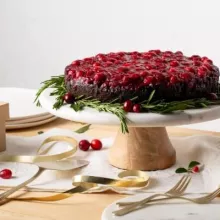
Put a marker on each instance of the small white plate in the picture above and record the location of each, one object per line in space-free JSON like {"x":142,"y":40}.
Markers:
{"x":29,"y":125}
{"x":29,"y":120}
{"x":21,"y":102}
{"x":175,"y":210}
{"x":20,"y":173}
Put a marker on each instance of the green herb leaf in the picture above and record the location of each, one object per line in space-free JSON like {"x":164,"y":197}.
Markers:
{"x":40,"y":132}
{"x":181,"y":170}
{"x":150,"y":97}
{"x":192,"y":164}
{"x":83,"y":129}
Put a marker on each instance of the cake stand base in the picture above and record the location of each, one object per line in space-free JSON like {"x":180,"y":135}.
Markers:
{"x":142,"y":149}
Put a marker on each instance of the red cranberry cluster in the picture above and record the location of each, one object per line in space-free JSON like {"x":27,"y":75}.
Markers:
{"x":95,"y":145}
{"x":137,"y":69}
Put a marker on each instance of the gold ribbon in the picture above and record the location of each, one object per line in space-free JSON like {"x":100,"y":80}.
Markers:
{"x":81,"y":183}
{"x":84,"y":183}
{"x":44,"y":158}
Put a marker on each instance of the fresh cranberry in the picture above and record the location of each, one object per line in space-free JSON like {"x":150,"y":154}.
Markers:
{"x":108,"y":63}
{"x":71,"y":73}
{"x":123,"y":69}
{"x":195,"y":169}
{"x":136,"y":108}
{"x":208,"y":61}
{"x":134,"y":76}
{"x":127,"y":106}
{"x":96,"y":64}
{"x":189,"y":69}
{"x":202,"y":72}
{"x":125,"y":80}
{"x":172,"y":70}
{"x":84,"y":145}
{"x":185,"y":76}
{"x":143,"y":73}
{"x":149,"y":80}
{"x":149,"y":67}
{"x":99,"y":77}
{"x":173,"y":79}
{"x":208,"y":66}
{"x":167,"y":53}
{"x":5,"y":174}
{"x":69,"y":98}
{"x":76,"y":63}
{"x":179,"y":53}
{"x":195,"y":58}
{"x":79,"y":73}
{"x":204,"y":58}
{"x":197,"y":63}
{"x":174,"y":63}
{"x":96,"y":144}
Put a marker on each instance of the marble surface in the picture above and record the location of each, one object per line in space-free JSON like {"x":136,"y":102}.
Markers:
{"x":92,"y":116}
{"x":169,"y":211}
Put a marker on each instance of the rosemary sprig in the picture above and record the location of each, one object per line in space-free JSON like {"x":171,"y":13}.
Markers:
{"x":114,"y":108}
{"x":56,"y":82}
{"x":149,"y":105}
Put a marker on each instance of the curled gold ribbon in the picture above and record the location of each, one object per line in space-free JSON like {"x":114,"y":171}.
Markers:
{"x":84,"y":183}
{"x":44,"y":158}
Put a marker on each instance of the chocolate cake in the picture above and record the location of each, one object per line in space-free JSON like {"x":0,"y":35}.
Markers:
{"x":125,"y":75}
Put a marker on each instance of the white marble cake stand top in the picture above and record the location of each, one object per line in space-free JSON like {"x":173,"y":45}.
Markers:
{"x":92,"y":116}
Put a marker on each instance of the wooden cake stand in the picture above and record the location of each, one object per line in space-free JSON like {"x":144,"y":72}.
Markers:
{"x":147,"y":145}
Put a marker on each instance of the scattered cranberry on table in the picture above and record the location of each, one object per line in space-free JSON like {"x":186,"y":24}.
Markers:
{"x":96,"y":144}
{"x":195,"y":169}
{"x":84,"y":145}
{"x":5,"y":174}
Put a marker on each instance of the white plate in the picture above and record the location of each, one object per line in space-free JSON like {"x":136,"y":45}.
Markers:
{"x":29,"y":125}
{"x":29,"y":120}
{"x":92,"y":116}
{"x":21,"y":102}
{"x":166,"y":211}
{"x":20,"y":171}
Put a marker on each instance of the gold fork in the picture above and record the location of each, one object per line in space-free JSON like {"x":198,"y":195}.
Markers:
{"x":177,"y":190}
{"x":200,"y":200}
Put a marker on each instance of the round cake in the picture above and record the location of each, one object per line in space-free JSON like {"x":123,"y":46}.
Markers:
{"x":124,"y":75}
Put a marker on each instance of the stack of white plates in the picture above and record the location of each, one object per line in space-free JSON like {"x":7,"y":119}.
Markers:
{"x":23,"y":111}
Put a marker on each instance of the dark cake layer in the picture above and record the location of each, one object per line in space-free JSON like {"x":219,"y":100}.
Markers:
{"x":126,"y":75}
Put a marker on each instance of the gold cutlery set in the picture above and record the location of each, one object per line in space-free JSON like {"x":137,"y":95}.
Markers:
{"x":174,"y":193}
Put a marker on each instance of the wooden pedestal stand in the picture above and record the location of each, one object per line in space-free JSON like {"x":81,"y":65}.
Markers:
{"x":4,"y":115}
{"x":142,"y":149}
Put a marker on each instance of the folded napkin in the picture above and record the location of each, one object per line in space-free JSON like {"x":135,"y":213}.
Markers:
{"x":202,"y":148}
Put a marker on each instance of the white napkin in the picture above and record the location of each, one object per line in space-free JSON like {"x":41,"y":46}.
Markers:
{"x":202,"y":148}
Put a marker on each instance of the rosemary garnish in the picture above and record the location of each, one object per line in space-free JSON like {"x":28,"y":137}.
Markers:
{"x":149,"y":105}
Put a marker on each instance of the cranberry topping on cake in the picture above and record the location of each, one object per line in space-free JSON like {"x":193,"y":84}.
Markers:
{"x":124,"y":75}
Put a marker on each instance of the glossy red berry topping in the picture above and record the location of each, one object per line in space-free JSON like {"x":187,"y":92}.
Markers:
{"x":130,"y":71}
{"x":5,"y":174}
{"x":84,"y":145}
{"x":96,"y":144}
